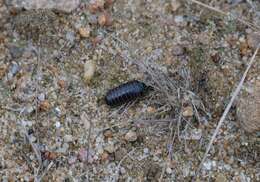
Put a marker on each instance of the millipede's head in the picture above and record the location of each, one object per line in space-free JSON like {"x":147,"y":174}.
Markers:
{"x":148,"y":87}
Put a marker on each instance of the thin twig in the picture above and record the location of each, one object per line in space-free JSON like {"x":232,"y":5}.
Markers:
{"x":253,"y":7}
{"x":249,"y":24}
{"x":11,"y":109}
{"x":163,"y":172}
{"x":141,"y":122}
{"x":213,"y":1}
{"x":45,"y":172}
{"x":120,"y":162}
{"x":38,"y":67}
{"x":223,"y":117}
{"x":34,"y":147}
{"x":88,"y":147}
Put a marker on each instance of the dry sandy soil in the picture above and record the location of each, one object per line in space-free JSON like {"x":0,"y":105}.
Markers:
{"x":57,"y":63}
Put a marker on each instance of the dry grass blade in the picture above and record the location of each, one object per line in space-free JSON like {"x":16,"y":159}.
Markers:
{"x":223,"y":117}
{"x":34,"y":147}
{"x":119,"y":164}
{"x":38,"y":179}
{"x":89,"y":140}
{"x":241,"y":20}
{"x":253,"y":6}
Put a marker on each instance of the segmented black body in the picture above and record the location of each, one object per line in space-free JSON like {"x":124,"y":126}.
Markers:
{"x":125,"y":93}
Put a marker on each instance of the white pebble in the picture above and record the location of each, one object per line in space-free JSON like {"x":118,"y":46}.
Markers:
{"x":57,"y":124}
{"x":57,"y":110}
{"x":179,"y":19}
{"x":207,"y":165}
{"x":168,"y":170}
{"x":175,"y":4}
{"x":41,"y":97}
{"x":131,"y":136}
{"x":122,"y":170}
{"x":33,"y":139}
{"x":146,"y":151}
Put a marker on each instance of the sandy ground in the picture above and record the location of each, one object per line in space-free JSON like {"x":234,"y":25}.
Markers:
{"x":56,"y":67}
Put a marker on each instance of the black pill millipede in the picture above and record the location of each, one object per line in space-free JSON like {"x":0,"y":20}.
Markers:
{"x":126,"y":92}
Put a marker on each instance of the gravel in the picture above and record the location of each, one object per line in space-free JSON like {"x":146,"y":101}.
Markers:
{"x":57,"y":63}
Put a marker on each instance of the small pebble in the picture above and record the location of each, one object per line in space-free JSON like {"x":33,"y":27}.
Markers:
{"x":33,"y":138}
{"x":207,"y":165}
{"x":227,"y":167}
{"x":146,"y":151}
{"x":177,"y":50}
{"x":16,"y":52}
{"x":187,"y":111}
{"x":194,"y":134}
{"x":168,"y":170}
{"x":180,"y":20}
{"x":93,"y":19}
{"x":131,"y":136}
{"x":70,"y":36}
{"x":57,"y":111}
{"x":253,"y":39}
{"x":89,"y":70}
{"x":109,"y":2}
{"x":104,"y":156}
{"x":72,"y":160}
{"x":29,"y":110}
{"x":156,"y":158}
{"x":15,"y":68}
{"x":96,"y":5}
{"x":110,"y":148}
{"x":27,"y":123}
{"x":97,"y":40}
{"x":61,"y":84}
{"x":108,"y":134}
{"x":57,"y":124}
{"x":122,"y":170}
{"x":104,"y":19}
{"x":221,"y":178}
{"x":44,"y":105}
{"x":68,"y":138}
{"x":41,"y":97}
{"x":82,"y":155}
{"x":175,"y":4}
{"x":151,"y":109}
{"x":32,"y":157}
{"x":50,"y":155}
{"x":84,"y":32}
{"x":64,"y":148}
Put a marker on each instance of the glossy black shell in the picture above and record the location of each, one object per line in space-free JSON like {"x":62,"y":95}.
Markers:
{"x":125,"y":93}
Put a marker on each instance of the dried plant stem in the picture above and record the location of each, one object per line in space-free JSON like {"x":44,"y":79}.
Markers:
{"x":36,"y":150}
{"x":45,"y":172}
{"x":245,"y":22}
{"x":120,"y":162}
{"x":222,"y":119}
{"x":88,"y":148}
